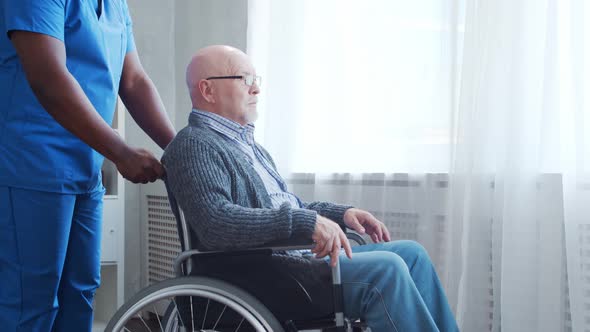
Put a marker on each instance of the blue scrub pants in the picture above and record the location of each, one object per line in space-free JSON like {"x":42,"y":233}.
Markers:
{"x":393,"y":286}
{"x":49,"y":259}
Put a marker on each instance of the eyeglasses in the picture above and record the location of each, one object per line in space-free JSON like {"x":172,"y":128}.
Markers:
{"x":248,"y":79}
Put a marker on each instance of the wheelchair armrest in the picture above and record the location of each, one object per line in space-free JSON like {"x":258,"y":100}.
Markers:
{"x":306,"y":243}
{"x":297,"y":243}
{"x":267,"y":249}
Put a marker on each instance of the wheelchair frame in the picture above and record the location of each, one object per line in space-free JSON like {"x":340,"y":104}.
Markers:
{"x":237,"y":299}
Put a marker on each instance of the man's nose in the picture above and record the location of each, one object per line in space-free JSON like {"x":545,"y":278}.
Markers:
{"x":254,"y":89}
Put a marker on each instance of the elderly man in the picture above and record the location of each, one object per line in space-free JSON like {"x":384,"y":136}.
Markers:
{"x":233,"y":197}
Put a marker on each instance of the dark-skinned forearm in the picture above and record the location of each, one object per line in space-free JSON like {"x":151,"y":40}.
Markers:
{"x":145,"y":106}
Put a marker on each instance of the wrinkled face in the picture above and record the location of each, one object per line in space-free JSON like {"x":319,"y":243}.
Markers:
{"x":235,"y":99}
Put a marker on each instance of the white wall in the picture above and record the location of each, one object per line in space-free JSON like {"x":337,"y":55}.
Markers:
{"x":201,"y":23}
{"x":167,"y":33}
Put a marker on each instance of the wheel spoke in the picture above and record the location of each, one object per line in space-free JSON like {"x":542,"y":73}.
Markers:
{"x":192,"y":314}
{"x":158,"y":318}
{"x":143,"y":321}
{"x":219,"y":318}
{"x":205,"y":316}
{"x":242,"y":321}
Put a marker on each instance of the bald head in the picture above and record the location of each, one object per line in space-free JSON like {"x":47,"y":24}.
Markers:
{"x":215,"y":60}
{"x":221,"y":96}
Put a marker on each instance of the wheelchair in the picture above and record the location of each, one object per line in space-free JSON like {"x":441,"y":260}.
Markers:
{"x":206,"y":302}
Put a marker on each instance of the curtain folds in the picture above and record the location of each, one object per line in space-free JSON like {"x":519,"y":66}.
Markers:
{"x":461,"y":124}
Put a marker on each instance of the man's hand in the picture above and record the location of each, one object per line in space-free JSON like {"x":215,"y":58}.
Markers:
{"x":140,"y":166}
{"x":329,"y":238}
{"x":363,"y":222}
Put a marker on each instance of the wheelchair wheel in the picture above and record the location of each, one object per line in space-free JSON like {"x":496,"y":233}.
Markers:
{"x":193,"y":304}
{"x":355,"y":239}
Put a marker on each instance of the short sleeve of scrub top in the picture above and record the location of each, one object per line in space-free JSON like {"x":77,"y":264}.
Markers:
{"x":46,"y":17}
{"x":129,"y":23}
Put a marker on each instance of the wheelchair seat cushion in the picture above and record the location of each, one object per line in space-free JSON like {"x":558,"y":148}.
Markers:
{"x":291,"y":287}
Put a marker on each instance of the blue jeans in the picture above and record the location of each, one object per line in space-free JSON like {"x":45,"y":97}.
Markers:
{"x":49,"y":259}
{"x":393,"y":287}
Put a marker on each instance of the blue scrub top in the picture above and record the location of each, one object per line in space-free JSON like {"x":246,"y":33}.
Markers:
{"x":35,"y":151}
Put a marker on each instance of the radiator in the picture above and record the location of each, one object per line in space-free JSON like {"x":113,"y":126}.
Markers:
{"x":161,"y":244}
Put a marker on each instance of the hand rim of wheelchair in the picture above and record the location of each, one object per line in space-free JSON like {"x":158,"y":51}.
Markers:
{"x":235,"y":298}
{"x":353,"y":236}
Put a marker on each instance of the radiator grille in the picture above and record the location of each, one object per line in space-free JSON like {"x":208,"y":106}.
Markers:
{"x":162,"y":239}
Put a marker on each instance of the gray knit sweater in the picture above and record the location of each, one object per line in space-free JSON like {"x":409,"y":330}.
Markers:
{"x":224,"y":200}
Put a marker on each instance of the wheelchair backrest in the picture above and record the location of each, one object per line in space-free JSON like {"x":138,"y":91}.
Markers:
{"x":181,"y":224}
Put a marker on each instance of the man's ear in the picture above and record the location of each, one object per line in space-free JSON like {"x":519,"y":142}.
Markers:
{"x":206,"y":89}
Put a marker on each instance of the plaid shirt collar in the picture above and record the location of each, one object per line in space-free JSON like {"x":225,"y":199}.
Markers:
{"x":224,"y":126}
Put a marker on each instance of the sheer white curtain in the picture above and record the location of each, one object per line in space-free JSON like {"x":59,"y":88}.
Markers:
{"x":522,"y":122}
{"x":345,"y":79}
{"x":462,"y":125}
